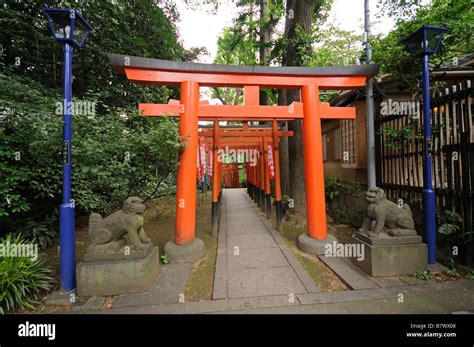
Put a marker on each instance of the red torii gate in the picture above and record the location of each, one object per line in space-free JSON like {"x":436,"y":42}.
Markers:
{"x":256,"y":140}
{"x":190,"y":76}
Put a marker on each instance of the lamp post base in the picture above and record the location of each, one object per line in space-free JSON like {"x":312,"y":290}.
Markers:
{"x":429,"y":221}
{"x":60,"y":298}
{"x":67,"y":248}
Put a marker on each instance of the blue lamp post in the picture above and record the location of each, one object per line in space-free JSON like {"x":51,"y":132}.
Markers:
{"x":71,"y":29}
{"x":422,"y":43}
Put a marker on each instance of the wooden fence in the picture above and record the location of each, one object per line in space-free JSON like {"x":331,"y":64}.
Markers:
{"x":399,"y":152}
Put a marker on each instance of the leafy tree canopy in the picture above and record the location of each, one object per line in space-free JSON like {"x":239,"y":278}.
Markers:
{"x":456,"y":15}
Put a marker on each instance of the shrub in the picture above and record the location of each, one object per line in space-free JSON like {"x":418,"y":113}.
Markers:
{"x":423,"y":275}
{"x":22,"y":279}
{"x":331,"y":187}
{"x":42,"y":233}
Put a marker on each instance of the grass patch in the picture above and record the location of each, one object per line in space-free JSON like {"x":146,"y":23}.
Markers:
{"x":201,"y":279}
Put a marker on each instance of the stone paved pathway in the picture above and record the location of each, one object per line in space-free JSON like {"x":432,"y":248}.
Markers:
{"x":257,"y":273}
{"x":252,"y":258}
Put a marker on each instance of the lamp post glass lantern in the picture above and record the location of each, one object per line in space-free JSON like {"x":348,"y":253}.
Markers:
{"x":422,"y":43}
{"x":68,"y":26}
{"x":71,"y":29}
{"x":425,"y":40}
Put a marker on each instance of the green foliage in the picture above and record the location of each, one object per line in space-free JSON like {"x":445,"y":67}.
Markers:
{"x":242,"y":176}
{"x":42,"y":233}
{"x":165,"y":259}
{"x":390,"y":52}
{"x":452,"y":269}
{"x":423,"y":275}
{"x":448,"y":229}
{"x":353,"y":184}
{"x":448,"y":222}
{"x":452,"y":272}
{"x":331,"y":187}
{"x":116,"y":153}
{"x":470,"y":275}
{"x":399,"y":8}
{"x":21,"y":279}
{"x":395,"y":137}
{"x":334,"y":47}
{"x":119,"y":27}
{"x":240,"y":43}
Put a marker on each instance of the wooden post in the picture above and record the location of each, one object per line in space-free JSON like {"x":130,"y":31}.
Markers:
{"x":215,"y":181}
{"x":186,"y":183}
{"x":268,"y":198}
{"x":276,"y":161}
{"x":313,"y":163}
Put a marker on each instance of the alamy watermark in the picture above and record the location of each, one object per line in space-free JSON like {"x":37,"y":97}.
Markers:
{"x":237,"y":155}
{"x":348,"y":250}
{"x":28,"y":329}
{"x":76,"y":108}
{"x":23,"y":250}
{"x":392,"y":107}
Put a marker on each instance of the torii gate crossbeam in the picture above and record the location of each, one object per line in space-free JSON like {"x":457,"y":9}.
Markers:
{"x":191,"y":76}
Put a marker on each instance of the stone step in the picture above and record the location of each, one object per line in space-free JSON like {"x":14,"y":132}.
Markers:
{"x":350,"y":276}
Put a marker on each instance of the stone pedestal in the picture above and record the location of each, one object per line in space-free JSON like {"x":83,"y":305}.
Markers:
{"x":314,"y":246}
{"x":391,"y":256}
{"x":188,"y":253}
{"x":124,"y":276}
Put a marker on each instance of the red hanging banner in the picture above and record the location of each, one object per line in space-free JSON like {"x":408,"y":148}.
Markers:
{"x":209,"y":163}
{"x":271,"y":164}
{"x":202,"y":155}
{"x":198,"y":166}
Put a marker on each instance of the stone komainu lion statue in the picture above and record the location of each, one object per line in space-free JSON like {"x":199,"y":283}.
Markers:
{"x":384,"y":215}
{"x":124,"y":227}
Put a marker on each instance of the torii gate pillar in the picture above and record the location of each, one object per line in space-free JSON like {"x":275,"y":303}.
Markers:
{"x":186,"y":247}
{"x":316,"y":238}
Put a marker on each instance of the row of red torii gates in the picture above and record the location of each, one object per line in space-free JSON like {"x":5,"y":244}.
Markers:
{"x":190,"y":77}
{"x":260,"y":148}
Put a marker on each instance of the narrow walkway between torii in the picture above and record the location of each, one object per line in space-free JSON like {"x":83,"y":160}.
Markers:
{"x":252,"y":259}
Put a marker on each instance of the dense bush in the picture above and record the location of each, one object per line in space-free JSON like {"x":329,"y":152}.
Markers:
{"x":115,"y":154}
{"x":22,"y":279}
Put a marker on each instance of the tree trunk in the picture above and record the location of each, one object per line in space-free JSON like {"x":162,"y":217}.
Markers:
{"x":299,"y":13}
{"x":267,"y":24}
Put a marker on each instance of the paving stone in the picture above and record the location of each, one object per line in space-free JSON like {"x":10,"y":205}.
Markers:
{"x":348,"y":274}
{"x":244,"y":221}
{"x":249,"y":258}
{"x":387,"y":282}
{"x":94,"y":303}
{"x":220,"y":275}
{"x":304,"y":277}
{"x":346,"y":295}
{"x":261,"y":282}
{"x":413,"y":281}
{"x":250,"y":241}
{"x":263,"y":301}
{"x":170,"y":284}
{"x":237,"y":229}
